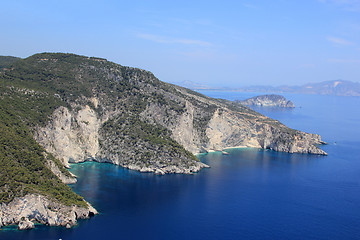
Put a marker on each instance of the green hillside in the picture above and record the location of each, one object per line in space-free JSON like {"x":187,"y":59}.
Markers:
{"x":7,"y":61}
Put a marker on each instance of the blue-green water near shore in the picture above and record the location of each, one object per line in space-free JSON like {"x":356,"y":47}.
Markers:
{"x":249,"y":194}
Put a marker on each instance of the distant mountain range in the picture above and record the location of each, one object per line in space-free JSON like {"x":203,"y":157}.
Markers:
{"x":334,"y":87}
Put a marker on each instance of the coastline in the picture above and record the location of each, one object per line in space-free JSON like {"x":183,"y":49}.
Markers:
{"x":223,"y":151}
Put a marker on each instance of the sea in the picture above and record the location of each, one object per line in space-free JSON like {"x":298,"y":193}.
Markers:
{"x":248,"y":194}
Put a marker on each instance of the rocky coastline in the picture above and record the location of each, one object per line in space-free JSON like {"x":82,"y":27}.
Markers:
{"x":126,"y":116}
{"x":34,"y":208}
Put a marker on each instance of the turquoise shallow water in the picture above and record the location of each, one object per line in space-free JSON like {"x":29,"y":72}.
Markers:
{"x":249,"y":194}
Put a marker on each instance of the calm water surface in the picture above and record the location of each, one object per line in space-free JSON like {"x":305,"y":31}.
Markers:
{"x":249,"y":194}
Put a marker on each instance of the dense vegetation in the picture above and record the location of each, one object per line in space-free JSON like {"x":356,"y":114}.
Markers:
{"x":7,"y":61}
{"x":24,"y":104}
{"x":23,"y":164}
{"x":41,"y":72}
{"x":148,"y":143}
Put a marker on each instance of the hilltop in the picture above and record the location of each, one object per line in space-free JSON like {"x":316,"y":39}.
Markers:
{"x":7,"y":61}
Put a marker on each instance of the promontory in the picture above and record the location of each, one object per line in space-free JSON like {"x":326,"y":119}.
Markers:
{"x":60,"y":108}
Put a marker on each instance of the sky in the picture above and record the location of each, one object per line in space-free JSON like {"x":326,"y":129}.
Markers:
{"x":223,"y":43}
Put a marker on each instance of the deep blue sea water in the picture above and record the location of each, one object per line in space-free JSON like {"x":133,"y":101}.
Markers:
{"x":249,"y":194}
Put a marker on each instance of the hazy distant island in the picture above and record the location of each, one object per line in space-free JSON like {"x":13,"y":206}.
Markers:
{"x":333,"y":87}
{"x":271,"y":100}
{"x":57,"y":109}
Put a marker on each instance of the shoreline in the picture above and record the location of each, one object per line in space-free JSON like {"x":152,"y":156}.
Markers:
{"x":223,"y":151}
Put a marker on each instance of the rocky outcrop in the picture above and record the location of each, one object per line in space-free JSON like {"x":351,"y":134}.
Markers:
{"x":25,"y":224}
{"x":226,"y":129}
{"x":291,"y":141}
{"x":26,"y":211}
{"x":271,"y":100}
{"x":197,"y":166}
{"x":67,"y":178}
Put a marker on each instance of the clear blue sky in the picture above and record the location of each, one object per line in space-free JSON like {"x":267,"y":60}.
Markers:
{"x":219,"y":43}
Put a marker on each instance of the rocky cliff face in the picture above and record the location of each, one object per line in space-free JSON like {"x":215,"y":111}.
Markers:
{"x":271,"y":100}
{"x":156,"y":137}
{"x":132,"y":119}
{"x":72,"y":136}
{"x":81,"y":108}
{"x":66,"y":177}
{"x":227,"y":129}
{"x":26,"y":211}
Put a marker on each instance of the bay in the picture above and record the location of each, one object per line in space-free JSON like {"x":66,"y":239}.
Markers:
{"x":249,"y":194}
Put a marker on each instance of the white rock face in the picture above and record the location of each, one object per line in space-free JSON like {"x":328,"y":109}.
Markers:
{"x":201,"y":125}
{"x":71,"y":136}
{"x":228,"y":130}
{"x":74,"y":136}
{"x":184,"y":132}
{"x":65,"y":179}
{"x":170,"y":169}
{"x":32,"y":208}
{"x":25,"y":224}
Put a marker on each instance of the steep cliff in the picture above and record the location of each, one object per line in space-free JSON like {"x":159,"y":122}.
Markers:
{"x":79,"y":108}
{"x":32,"y":181}
{"x":128,"y":117}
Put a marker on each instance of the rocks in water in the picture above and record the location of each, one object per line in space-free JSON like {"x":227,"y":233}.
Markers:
{"x":25,"y":224}
{"x":169,"y":169}
{"x":271,"y":100}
